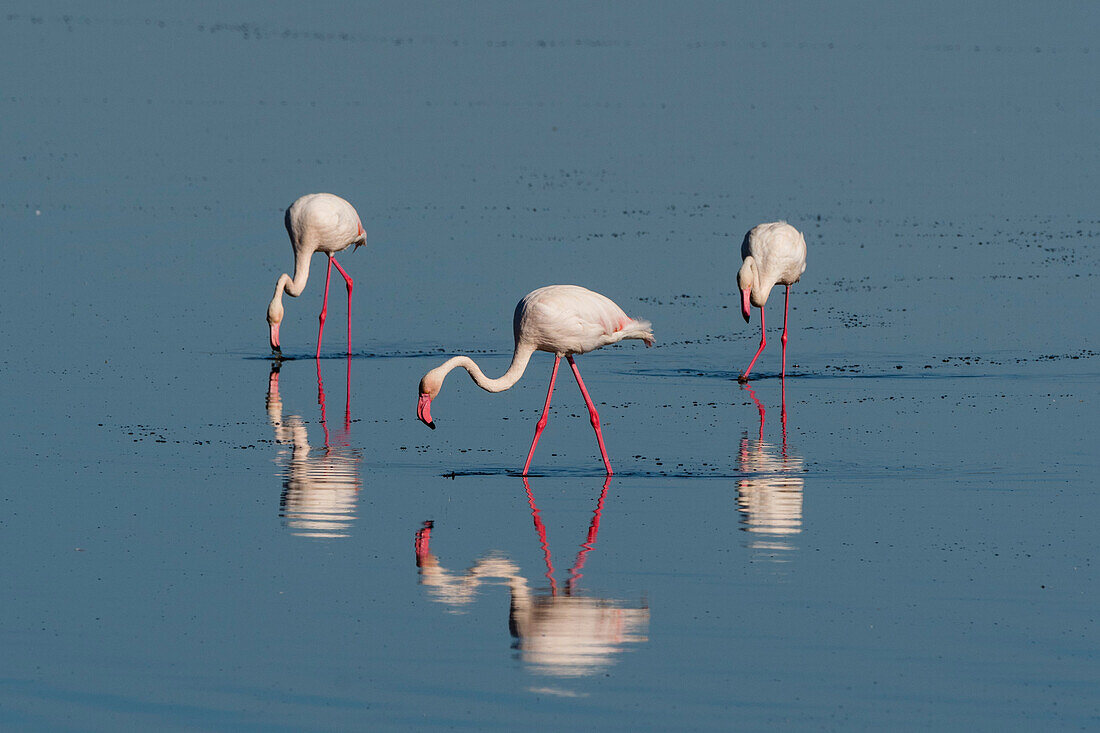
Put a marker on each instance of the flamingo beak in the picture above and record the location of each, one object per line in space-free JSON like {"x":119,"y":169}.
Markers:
{"x":746,"y":307}
{"x":424,"y":410}
{"x":275,"y":339}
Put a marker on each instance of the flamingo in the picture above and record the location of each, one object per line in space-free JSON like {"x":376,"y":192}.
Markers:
{"x":773,"y":254}
{"x":561,"y":319}
{"x":316,"y":222}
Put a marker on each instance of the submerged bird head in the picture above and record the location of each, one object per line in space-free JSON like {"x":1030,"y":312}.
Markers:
{"x":429,"y":388}
{"x":274,"y":318}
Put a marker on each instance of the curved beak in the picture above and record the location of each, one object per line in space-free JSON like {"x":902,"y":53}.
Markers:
{"x":275,"y":339}
{"x":746,"y":307}
{"x":424,"y":410}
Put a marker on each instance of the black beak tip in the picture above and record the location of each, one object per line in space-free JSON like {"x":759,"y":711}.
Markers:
{"x":746,"y":317}
{"x":431,"y":424}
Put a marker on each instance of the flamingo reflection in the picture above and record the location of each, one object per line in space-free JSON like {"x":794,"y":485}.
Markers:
{"x":320,"y":486}
{"x":558,"y":632}
{"x":769,"y":496}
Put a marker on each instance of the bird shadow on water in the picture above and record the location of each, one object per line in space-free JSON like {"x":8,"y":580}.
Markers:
{"x":320,"y":485}
{"x":558,"y":630}
{"x":770,"y":489}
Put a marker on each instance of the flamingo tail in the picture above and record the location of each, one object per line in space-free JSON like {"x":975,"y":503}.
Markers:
{"x":637,"y":329}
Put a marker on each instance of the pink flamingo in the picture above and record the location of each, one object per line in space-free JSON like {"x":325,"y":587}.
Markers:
{"x":773,"y":254}
{"x":561,"y":319}
{"x":317,"y":222}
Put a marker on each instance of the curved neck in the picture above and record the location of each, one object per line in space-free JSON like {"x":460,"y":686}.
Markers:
{"x":292,"y":286}
{"x":520,"y":357}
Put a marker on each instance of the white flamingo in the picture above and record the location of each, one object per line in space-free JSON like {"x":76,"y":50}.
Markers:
{"x":773,"y":254}
{"x":561,"y":319}
{"x":316,"y":222}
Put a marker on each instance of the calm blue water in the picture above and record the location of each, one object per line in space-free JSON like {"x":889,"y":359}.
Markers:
{"x":900,"y":535}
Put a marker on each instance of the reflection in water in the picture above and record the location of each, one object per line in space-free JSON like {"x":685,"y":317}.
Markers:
{"x":769,"y":497}
{"x":320,"y":487}
{"x":558,"y":632}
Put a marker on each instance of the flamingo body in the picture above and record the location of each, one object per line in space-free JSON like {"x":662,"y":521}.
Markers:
{"x":316,"y":222}
{"x":561,"y":319}
{"x":569,"y":319}
{"x":772,"y":254}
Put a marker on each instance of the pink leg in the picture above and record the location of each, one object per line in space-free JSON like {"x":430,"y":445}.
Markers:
{"x":347,"y":400}
{"x":324,"y":308}
{"x":763,"y":342}
{"x":350,"y":283}
{"x":786,"y":301}
{"x":321,"y":401}
{"x":760,"y":408}
{"x":783,"y":413}
{"x":540,"y":528}
{"x":545,"y":415}
{"x":575,"y":573}
{"x":592,"y":414}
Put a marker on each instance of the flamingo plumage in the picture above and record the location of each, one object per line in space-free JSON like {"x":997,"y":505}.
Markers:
{"x":773,"y":254}
{"x":316,"y":222}
{"x":563,"y":320}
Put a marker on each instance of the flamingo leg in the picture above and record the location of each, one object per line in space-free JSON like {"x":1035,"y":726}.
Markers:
{"x":350,"y":283}
{"x":783,"y":413}
{"x":347,"y":400}
{"x":575,"y":573}
{"x":540,"y":528}
{"x":786,"y":301}
{"x":592,"y":414}
{"x":321,"y":402}
{"x":763,"y":342}
{"x":760,"y":408}
{"x":324,"y":308}
{"x":545,"y":415}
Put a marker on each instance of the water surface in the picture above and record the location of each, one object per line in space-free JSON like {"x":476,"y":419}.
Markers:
{"x":898,"y":535}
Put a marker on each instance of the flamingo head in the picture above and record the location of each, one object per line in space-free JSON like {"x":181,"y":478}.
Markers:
{"x":274,"y":318}
{"x":744,"y":284}
{"x":429,"y":388}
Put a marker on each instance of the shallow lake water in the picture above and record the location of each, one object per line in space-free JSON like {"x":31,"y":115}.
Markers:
{"x":899,"y":535}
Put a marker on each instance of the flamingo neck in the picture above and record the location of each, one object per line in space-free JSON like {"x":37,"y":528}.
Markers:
{"x":750,"y":277}
{"x":293,"y":286}
{"x":747,"y":275}
{"x":520,"y":358}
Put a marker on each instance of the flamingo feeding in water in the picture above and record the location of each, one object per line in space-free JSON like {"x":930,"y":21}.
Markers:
{"x":561,"y":319}
{"x":773,"y":254}
{"x":316,"y":222}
